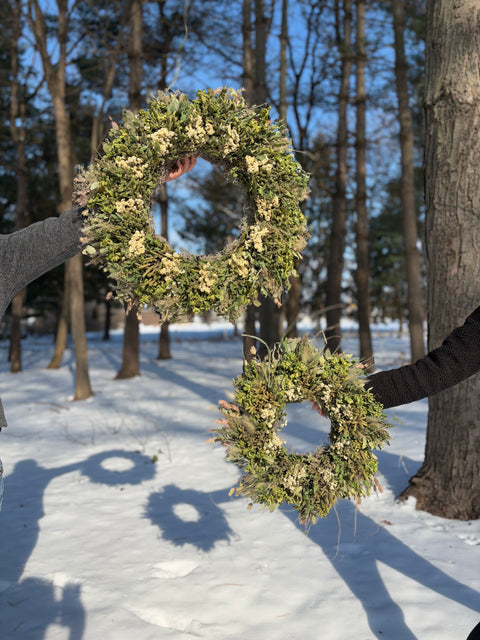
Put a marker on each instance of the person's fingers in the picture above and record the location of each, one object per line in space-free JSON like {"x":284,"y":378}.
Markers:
{"x":182,"y":167}
{"x":189,"y":163}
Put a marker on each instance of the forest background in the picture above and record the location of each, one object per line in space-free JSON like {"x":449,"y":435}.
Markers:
{"x":347,"y":76}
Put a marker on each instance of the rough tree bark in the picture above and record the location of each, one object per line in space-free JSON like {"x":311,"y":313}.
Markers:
{"x":249,"y":342}
{"x":292,"y":302}
{"x":362,"y":274}
{"x":407,"y":189}
{"x":164,"y":352}
{"x":55,"y":74}
{"x":17,"y":131}
{"x":448,"y":483}
{"x":130,"y":366}
{"x":337,"y":233}
{"x":269,"y":312}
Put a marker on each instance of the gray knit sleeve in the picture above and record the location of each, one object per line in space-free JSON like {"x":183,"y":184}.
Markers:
{"x":29,"y":253}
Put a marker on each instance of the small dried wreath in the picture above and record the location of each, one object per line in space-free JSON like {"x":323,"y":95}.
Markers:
{"x":295,"y":371}
{"x":252,"y":151}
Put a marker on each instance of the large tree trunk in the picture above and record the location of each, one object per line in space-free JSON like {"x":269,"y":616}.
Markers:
{"x":338,"y":229}
{"x":448,"y":484}
{"x":409,"y":215}
{"x":362,"y":275}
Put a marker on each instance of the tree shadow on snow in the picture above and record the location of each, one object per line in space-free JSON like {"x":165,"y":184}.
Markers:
{"x":30,"y":605}
{"x":369,"y":544}
{"x":187,"y":516}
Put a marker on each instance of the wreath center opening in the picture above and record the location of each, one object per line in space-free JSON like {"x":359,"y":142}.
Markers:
{"x":305,"y":429}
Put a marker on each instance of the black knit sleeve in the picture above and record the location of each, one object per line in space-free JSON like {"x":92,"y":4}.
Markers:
{"x":455,"y":360}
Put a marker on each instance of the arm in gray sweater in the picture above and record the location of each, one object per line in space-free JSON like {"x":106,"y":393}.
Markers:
{"x":29,"y":253}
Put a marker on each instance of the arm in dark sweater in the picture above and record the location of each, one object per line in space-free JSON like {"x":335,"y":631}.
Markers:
{"x":455,"y":360}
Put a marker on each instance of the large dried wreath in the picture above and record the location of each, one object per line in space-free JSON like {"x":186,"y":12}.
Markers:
{"x":293,"y":372}
{"x":253,"y":152}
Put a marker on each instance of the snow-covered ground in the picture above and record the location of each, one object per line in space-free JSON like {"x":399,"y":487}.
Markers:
{"x":117,"y":523}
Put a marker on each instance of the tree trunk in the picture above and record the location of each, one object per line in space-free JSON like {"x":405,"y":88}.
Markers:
{"x":338,"y":229}
{"x":83,"y":389}
{"x":55,"y":74}
{"x":269,"y":312}
{"x":131,"y":346}
{"x":131,"y":337}
{"x":61,"y":333}
{"x":164,"y":338}
{"x":409,"y":215}
{"x":108,"y":320}
{"x":448,"y":484}
{"x":292,"y":303}
{"x":74,"y":266}
{"x":362,"y":275}
{"x":293,"y":306}
{"x":164,"y":342}
{"x":17,"y":130}
{"x":249,"y":342}
{"x":15,"y":351}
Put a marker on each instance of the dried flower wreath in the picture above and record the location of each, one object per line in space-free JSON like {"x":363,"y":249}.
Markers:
{"x":253,"y":152}
{"x":293,"y":372}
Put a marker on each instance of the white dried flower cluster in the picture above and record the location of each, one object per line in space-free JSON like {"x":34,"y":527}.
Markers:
{"x":257,"y":234}
{"x":292,"y":394}
{"x":240,"y":264}
{"x":136,"y":244}
{"x":265,"y":207}
{"x":170,"y":265}
{"x":129,"y":205}
{"x":232,"y":142}
{"x":265,"y":165}
{"x":162,"y":138}
{"x":328,"y":477}
{"x":254,"y":165}
{"x":206,"y":278}
{"x":268,"y":414}
{"x":293,"y":480}
{"x":344,"y":413}
{"x":273,"y":445}
{"x":132,"y":166}
{"x":196,"y":131}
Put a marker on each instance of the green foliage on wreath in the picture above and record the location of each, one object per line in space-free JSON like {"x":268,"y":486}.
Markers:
{"x":293,"y":372}
{"x":253,"y":152}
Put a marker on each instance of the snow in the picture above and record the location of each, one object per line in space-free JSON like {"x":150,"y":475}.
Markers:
{"x":117,"y":521}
